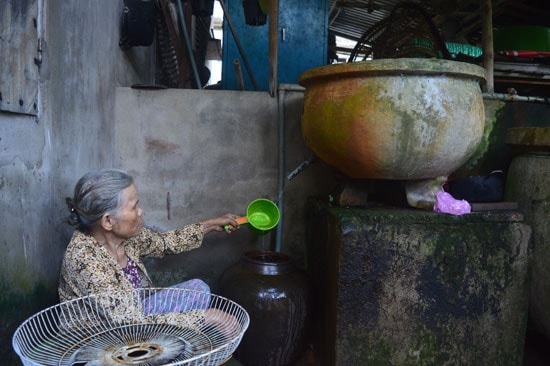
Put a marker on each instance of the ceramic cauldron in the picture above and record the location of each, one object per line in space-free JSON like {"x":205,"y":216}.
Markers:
{"x":403,"y":119}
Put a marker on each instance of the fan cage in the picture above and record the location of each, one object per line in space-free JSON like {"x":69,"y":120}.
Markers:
{"x":117,"y":328}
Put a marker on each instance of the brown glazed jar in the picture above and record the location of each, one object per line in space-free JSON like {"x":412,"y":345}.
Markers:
{"x":275,"y":293}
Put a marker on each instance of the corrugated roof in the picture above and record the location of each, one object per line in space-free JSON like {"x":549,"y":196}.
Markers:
{"x":457,"y":21}
{"x":456,"y":18}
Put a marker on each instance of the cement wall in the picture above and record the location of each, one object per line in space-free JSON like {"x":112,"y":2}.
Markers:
{"x":213,"y":151}
{"x":42,"y":157}
{"x":200,"y":153}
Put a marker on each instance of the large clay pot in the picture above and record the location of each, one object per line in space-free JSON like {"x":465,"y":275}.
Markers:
{"x":528,"y":183}
{"x":275,"y":293}
{"x":405,"y":119}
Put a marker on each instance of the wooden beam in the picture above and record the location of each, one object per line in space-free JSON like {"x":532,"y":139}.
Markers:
{"x":273,"y":23}
{"x":487,"y":44}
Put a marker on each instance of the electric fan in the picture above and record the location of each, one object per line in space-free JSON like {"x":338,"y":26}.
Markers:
{"x":154,"y":326}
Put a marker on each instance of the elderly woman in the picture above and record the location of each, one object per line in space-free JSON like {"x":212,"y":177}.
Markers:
{"x":106,"y":250}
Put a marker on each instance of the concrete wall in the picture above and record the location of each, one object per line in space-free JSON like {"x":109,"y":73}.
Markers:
{"x":209,"y":152}
{"x":42,"y":157}
{"x":213,"y":151}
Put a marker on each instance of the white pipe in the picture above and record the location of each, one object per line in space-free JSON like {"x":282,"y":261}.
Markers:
{"x":515,"y":98}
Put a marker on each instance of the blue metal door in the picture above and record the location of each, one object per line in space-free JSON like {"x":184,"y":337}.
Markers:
{"x":303,"y":43}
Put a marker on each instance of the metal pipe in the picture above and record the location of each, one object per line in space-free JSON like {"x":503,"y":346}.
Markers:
{"x":281,"y":176}
{"x":305,"y":164}
{"x":292,"y":87}
{"x":515,"y":98}
{"x":238,"y":74}
{"x":281,"y":92}
{"x":189,"y":47}
{"x":238,"y":43}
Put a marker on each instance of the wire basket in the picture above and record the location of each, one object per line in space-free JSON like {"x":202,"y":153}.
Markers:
{"x":395,"y":35}
{"x":182,"y":327}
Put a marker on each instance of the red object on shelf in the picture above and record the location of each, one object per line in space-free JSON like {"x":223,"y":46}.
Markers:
{"x":525,"y":53}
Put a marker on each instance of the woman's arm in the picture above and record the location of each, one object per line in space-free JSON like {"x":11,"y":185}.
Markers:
{"x":152,"y":244}
{"x":226,"y":222}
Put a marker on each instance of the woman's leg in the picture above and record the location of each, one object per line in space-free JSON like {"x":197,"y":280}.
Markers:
{"x":188,"y":295}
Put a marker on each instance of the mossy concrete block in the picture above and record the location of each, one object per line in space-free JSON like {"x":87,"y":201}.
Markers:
{"x":411,"y":287}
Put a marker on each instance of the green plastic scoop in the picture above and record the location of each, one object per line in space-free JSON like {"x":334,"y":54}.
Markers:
{"x":261,"y":214}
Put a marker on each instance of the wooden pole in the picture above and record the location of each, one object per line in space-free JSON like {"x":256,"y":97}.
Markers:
{"x":487,"y":44}
{"x":273,"y":17}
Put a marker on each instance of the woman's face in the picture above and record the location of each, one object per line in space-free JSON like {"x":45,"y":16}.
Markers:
{"x":127,"y":222}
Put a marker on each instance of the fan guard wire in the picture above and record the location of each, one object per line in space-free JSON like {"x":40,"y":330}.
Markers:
{"x":115,"y":329}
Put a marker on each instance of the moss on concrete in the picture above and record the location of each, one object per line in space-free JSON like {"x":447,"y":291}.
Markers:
{"x":15,"y":307}
{"x":478,"y":163}
{"x":411,"y":287}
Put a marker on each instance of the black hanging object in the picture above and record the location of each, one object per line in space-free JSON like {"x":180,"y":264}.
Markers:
{"x":479,"y":189}
{"x":202,"y":8}
{"x":253,"y":14}
{"x":138,"y":23}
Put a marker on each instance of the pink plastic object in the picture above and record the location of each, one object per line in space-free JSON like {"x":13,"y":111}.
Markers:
{"x":445,"y":203}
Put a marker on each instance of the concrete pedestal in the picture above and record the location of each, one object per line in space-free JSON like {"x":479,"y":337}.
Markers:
{"x":412,"y":287}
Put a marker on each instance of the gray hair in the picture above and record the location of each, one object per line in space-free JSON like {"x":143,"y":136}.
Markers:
{"x":96,"y":193}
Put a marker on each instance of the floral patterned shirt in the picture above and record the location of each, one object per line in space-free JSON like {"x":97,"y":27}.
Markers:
{"x":88,"y":268}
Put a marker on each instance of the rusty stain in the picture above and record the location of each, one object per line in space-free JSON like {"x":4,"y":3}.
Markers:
{"x":160,"y":146}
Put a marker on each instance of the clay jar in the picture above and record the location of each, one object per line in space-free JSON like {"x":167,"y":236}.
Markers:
{"x":275,"y":293}
{"x":528,"y":183}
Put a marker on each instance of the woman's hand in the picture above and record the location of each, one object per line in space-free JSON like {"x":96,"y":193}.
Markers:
{"x":226,"y":222}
